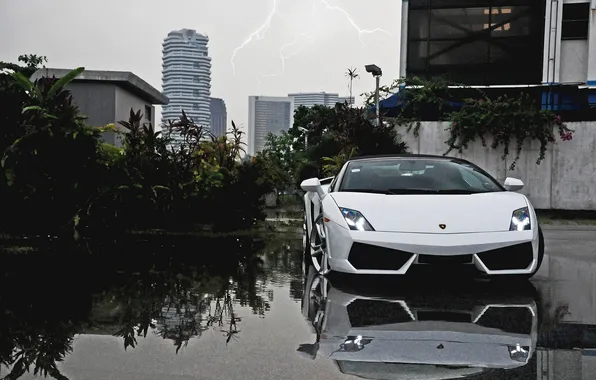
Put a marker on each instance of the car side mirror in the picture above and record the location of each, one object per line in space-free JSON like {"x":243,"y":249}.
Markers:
{"x":312,"y":185}
{"x":513,"y":184}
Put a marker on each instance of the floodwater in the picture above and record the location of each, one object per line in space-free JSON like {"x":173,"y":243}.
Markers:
{"x":248,"y":308}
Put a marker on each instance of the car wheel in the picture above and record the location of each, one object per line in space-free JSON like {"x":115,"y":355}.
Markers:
{"x":318,"y":246}
{"x":306,"y":261}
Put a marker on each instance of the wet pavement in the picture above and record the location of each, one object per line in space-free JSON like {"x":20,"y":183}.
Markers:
{"x":244,"y":309}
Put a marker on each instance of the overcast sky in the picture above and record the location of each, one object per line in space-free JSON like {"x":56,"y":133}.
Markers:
{"x":127,"y":35}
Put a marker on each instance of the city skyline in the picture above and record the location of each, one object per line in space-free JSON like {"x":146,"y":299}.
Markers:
{"x":315,"y":63}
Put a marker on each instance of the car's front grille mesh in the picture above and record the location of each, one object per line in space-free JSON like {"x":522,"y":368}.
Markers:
{"x":373,"y":257}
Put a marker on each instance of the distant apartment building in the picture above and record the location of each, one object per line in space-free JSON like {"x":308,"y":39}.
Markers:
{"x":267,"y":114}
{"x":219,"y":117}
{"x":106,"y":97}
{"x":186,"y":76}
{"x":309,"y":99}
{"x":346,"y":99}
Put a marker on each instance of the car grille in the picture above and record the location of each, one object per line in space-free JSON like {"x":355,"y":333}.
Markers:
{"x":445,"y":260}
{"x":373,"y":257}
{"x":518,"y":256}
{"x":445,"y":316}
{"x":363,"y":313}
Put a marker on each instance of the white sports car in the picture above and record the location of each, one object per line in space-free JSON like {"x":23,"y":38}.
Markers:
{"x":386,"y":214}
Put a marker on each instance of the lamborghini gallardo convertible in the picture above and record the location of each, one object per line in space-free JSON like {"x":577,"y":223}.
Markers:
{"x":388,"y":214}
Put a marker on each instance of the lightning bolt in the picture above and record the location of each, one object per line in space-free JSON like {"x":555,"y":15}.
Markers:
{"x":351,"y":21}
{"x":259,"y":34}
{"x":284,"y":57}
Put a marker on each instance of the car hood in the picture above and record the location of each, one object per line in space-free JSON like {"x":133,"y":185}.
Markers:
{"x":470,"y":213}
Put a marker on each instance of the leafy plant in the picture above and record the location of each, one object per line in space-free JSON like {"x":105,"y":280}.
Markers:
{"x":505,"y":120}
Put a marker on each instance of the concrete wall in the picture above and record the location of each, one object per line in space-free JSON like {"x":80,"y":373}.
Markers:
{"x":105,"y":103}
{"x":124,"y":102}
{"x":564,"y":180}
{"x":97,"y":101}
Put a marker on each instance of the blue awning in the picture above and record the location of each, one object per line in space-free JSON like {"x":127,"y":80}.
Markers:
{"x":391,"y":105}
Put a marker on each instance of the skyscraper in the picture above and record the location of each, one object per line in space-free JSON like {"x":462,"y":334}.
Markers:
{"x":187,"y":76}
{"x":267,"y":114}
{"x":219,"y":117}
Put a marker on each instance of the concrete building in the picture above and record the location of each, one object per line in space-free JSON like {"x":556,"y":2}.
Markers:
{"x":309,"y":99}
{"x":107,"y":97}
{"x":547,"y":44}
{"x":346,"y":99}
{"x":186,"y":70}
{"x":219,"y":117}
{"x":267,"y":114}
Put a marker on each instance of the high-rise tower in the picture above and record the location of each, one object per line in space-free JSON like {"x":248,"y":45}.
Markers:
{"x":187,"y":76}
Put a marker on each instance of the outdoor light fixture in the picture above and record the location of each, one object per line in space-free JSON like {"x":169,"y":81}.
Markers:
{"x":374,"y":70}
{"x":377,"y":73}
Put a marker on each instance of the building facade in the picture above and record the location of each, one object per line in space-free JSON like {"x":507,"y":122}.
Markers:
{"x":549,"y":45}
{"x":219,"y":117}
{"x":346,"y":99}
{"x":309,"y":99}
{"x":186,"y":76}
{"x":106,"y":97}
{"x":267,"y":114}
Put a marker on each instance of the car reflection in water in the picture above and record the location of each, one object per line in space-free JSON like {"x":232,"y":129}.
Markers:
{"x":424,"y":334}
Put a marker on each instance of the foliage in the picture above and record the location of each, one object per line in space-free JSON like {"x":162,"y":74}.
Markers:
{"x":334,"y":135}
{"x":280,"y":159}
{"x":57,"y":176}
{"x":504,"y":119}
{"x":421,"y":100}
{"x":50,"y":167}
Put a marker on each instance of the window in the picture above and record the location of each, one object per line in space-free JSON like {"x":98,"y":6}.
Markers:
{"x":196,"y":79}
{"x":576,"y":21}
{"x":476,"y":41}
{"x":148,"y":113}
{"x":195,"y":106}
{"x":196,"y":65}
{"x":416,"y":176}
{"x":196,"y":93}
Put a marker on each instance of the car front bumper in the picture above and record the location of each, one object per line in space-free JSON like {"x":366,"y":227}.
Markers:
{"x":372,"y":252}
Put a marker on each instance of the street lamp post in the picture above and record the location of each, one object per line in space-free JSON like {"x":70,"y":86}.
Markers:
{"x":377,"y":73}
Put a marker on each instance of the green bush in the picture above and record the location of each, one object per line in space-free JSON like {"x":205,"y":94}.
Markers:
{"x":57,"y":176}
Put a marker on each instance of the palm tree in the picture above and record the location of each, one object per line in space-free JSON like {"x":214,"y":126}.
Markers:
{"x":352,"y":74}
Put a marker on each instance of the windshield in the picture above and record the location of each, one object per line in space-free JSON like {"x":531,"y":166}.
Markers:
{"x":416,"y":176}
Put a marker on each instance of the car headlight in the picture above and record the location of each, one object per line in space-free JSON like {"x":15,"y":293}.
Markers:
{"x":519,"y":353}
{"x":520,"y":220}
{"x":356,"y":221}
{"x":354,"y":344}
